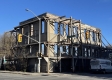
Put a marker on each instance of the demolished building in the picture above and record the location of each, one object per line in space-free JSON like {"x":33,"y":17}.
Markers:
{"x":62,"y":44}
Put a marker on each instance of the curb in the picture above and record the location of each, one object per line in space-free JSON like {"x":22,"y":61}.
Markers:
{"x":15,"y":72}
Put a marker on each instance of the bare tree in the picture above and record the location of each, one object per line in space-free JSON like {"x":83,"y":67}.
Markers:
{"x":7,"y":41}
{"x":12,"y":52}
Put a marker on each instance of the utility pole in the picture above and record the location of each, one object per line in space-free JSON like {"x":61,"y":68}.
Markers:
{"x":39,"y":58}
{"x":39,"y":46}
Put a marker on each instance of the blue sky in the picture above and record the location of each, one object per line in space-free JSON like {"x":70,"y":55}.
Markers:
{"x":97,"y":13}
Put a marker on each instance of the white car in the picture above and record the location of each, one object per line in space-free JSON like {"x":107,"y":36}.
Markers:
{"x":101,"y":65}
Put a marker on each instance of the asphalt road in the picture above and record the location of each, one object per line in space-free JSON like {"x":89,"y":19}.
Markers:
{"x":80,"y":76}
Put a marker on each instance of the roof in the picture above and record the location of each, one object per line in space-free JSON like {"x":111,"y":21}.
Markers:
{"x":35,"y":19}
{"x":40,"y":16}
{"x":100,"y":59}
{"x":47,"y":15}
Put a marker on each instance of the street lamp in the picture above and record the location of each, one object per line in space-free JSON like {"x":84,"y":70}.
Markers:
{"x":39,"y":36}
{"x":33,"y":13}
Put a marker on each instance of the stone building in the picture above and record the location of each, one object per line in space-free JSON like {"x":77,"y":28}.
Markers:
{"x":66,"y":44}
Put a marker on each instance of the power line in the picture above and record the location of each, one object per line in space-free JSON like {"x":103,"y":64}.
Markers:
{"x":106,"y":40}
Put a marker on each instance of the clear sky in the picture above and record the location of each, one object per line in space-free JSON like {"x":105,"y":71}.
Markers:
{"x":97,"y":13}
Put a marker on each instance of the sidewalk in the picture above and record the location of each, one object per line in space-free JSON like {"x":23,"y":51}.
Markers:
{"x":39,"y":74}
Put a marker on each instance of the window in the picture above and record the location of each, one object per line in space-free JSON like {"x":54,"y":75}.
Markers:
{"x":31,"y":29}
{"x":43,"y":27}
{"x":76,"y":32}
{"x":106,"y":63}
{"x":55,"y":48}
{"x":42,"y":45}
{"x":30,"y":49}
{"x":66,"y":29}
{"x":110,"y":55}
{"x":94,"y":36}
{"x":94,"y":62}
{"x":99,"y":38}
{"x":92,"y":50}
{"x":85,"y":52}
{"x":61,"y":29}
{"x":85,"y":34}
{"x":89,"y":54}
{"x":76,"y":51}
{"x":56,"y":28}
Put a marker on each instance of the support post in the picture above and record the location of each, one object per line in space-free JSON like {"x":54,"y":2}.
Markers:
{"x":28,"y":38}
{"x":80,"y":36}
{"x":48,"y":66}
{"x":28,"y":35}
{"x":39,"y":65}
{"x":48,"y":60}
{"x":72,"y":44}
{"x":60,"y":62}
{"x":58,"y":47}
{"x":81,"y":45}
{"x":39,"y":37}
{"x":72,"y":58}
{"x":48,"y":51}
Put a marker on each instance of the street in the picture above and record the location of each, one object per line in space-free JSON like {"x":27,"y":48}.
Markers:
{"x":56,"y":76}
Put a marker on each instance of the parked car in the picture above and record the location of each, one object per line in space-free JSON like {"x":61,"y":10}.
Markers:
{"x":101,"y":65}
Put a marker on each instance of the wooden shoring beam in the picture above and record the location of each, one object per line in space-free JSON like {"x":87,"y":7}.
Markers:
{"x":58,"y":34}
{"x":58,"y":43}
{"x":50,"y":49}
{"x":61,"y":20}
{"x":52,"y":66}
{"x":64,"y":20}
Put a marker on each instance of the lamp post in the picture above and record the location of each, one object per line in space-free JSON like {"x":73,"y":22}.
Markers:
{"x":39,"y":37}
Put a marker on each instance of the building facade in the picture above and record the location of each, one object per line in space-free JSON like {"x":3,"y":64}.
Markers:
{"x":66,"y":44}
